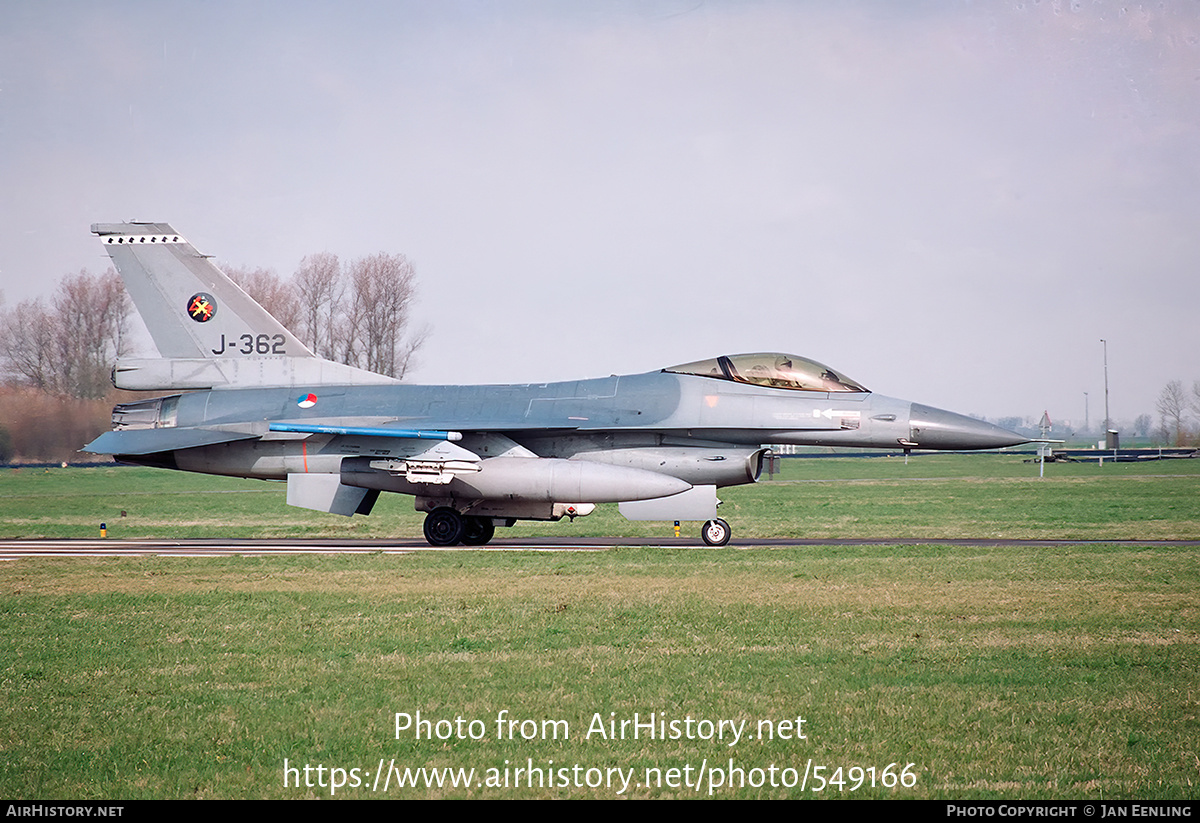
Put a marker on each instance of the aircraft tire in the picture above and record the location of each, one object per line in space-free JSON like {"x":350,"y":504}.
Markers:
{"x":444,"y":527}
{"x":477,"y":531}
{"x":716,"y":532}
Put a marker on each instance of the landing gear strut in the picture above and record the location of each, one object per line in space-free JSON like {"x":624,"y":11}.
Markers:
{"x":716,"y":532}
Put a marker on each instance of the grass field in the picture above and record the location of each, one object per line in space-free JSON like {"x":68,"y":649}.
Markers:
{"x":995,"y":672}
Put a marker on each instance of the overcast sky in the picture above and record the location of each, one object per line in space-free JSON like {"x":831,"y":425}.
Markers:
{"x":950,"y":202}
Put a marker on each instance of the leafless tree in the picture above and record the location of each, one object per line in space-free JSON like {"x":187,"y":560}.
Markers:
{"x":374,"y":334}
{"x":67,"y":347}
{"x":269,"y":290}
{"x":1172,"y":406}
{"x":91,"y":313}
{"x":319,"y":288}
{"x":27,"y":342}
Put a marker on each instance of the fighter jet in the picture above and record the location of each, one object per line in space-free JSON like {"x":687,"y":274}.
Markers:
{"x":251,"y":400}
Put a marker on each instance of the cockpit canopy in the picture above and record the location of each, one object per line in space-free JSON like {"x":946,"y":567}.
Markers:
{"x":780,"y":371}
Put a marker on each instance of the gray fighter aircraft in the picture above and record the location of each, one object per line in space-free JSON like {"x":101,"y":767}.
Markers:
{"x":256,"y":402}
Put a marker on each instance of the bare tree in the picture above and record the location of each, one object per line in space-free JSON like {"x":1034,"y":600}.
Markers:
{"x":374,"y":332}
{"x":27,"y":342}
{"x":92,"y":314}
{"x":1172,"y":406}
{"x":68,"y":346}
{"x":319,"y":288}
{"x":270,"y":291}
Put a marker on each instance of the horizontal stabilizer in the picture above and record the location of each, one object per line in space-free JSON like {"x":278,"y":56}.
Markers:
{"x":151,"y":441}
{"x":182,"y":373}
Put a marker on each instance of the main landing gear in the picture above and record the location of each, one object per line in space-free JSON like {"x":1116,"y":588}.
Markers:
{"x":444,"y":526}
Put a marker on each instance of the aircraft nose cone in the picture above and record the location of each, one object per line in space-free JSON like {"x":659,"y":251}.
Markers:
{"x":932,"y":428}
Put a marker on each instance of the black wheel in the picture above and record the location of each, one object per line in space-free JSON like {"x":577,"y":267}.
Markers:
{"x":477,"y":531}
{"x":716,"y":532}
{"x":444,"y":527}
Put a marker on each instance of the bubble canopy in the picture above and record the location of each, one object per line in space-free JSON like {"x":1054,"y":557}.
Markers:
{"x":778,"y":371}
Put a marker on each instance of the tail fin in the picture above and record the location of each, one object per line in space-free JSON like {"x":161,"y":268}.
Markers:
{"x":208,"y":331}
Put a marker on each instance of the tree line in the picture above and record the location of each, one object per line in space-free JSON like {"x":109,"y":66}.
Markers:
{"x":57,"y":352}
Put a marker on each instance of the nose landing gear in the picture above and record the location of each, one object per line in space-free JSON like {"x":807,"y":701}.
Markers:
{"x":716,"y":532}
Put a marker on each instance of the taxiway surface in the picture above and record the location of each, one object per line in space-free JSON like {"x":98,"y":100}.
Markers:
{"x":15,"y":549}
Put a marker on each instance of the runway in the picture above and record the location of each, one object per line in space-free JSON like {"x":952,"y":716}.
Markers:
{"x":17,"y":549}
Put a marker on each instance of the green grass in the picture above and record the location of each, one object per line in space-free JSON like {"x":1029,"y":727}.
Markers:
{"x":999,"y":672}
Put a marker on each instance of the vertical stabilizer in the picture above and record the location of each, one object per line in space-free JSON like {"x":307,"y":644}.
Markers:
{"x":208,"y":331}
{"x":189,"y":304}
